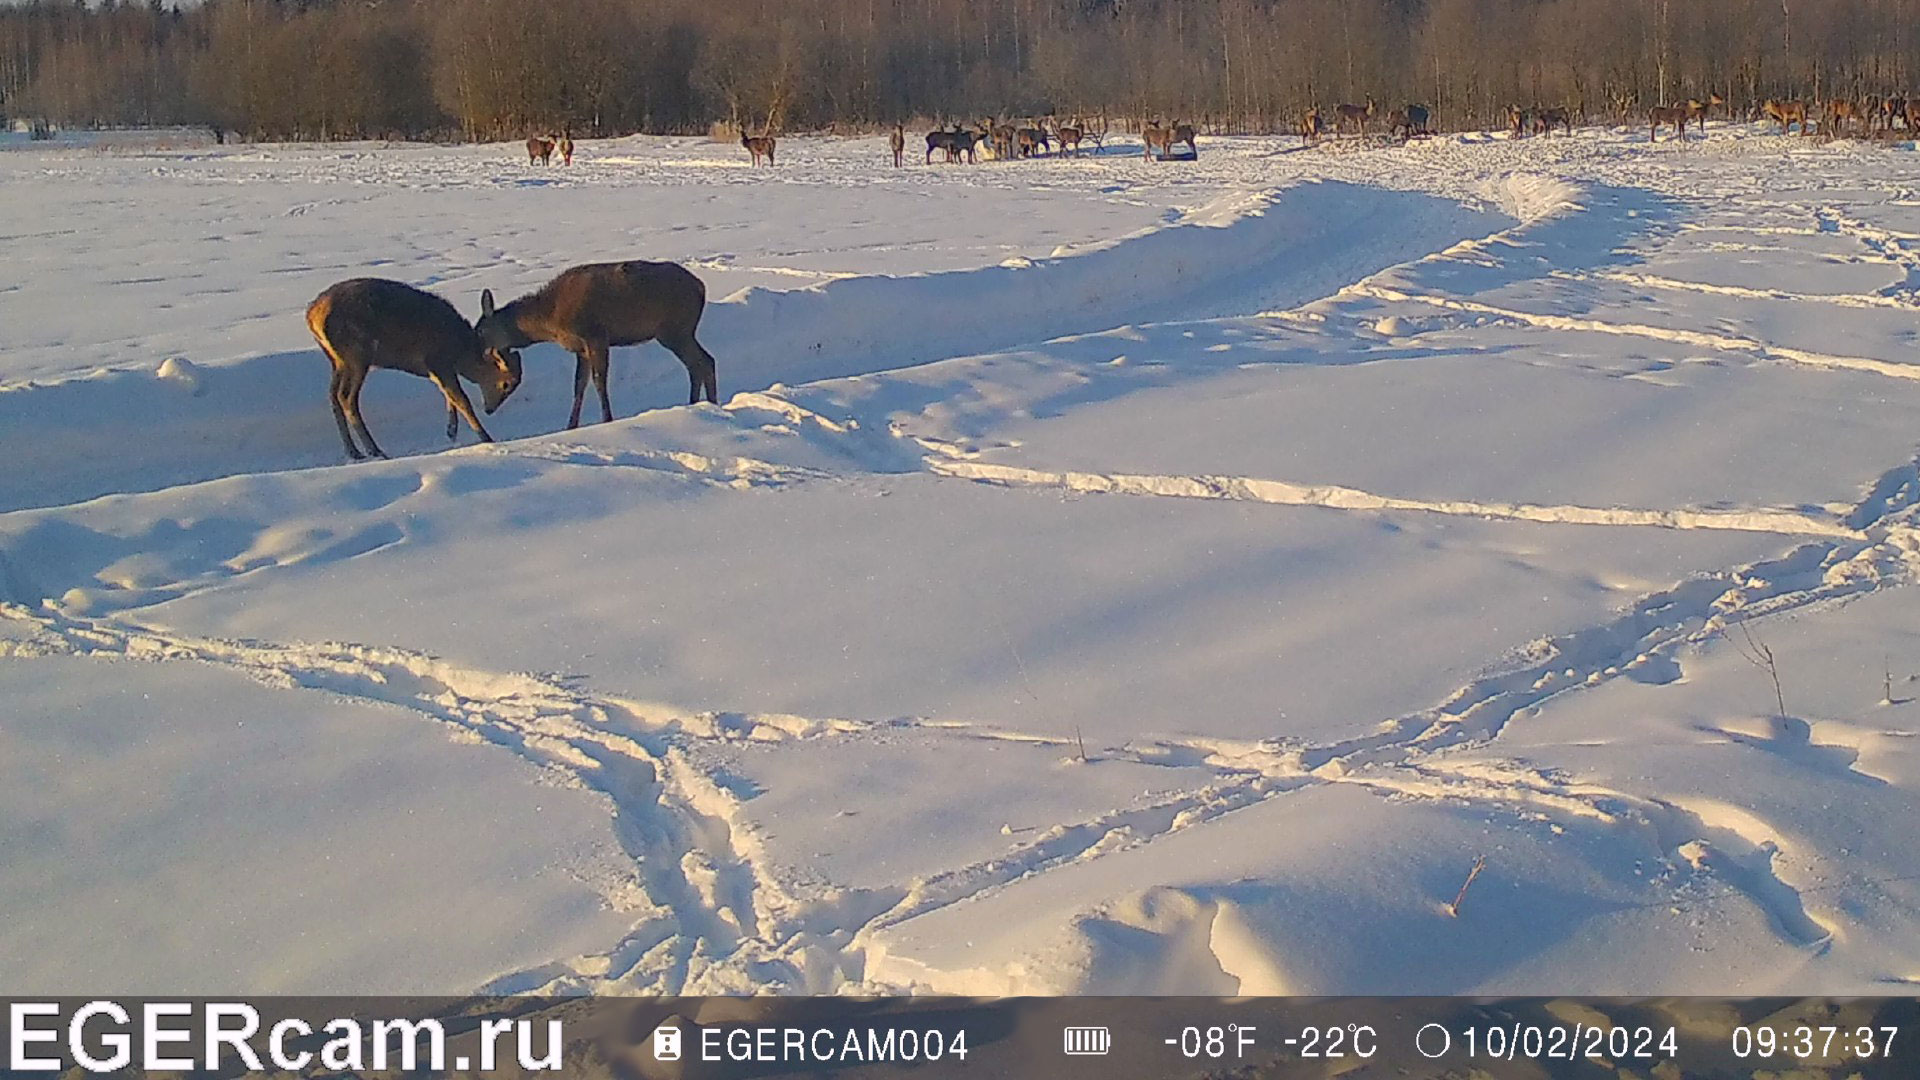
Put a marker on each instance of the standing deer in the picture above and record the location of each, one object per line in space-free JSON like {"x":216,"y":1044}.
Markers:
{"x":760,"y":146}
{"x":1183,"y":133}
{"x":1518,"y":121}
{"x":1153,"y":136}
{"x":1892,"y":109}
{"x":365,"y":323}
{"x":1546,"y":119}
{"x":539,"y":150}
{"x":1355,"y":116}
{"x":1674,"y":116}
{"x":1070,"y":135}
{"x":1419,"y":121}
{"x":1787,"y":114}
{"x":1913,"y":114}
{"x":897,"y":141}
{"x":942,"y":141}
{"x":1311,"y":126}
{"x":565,"y":146}
{"x":588,"y":309}
{"x":1841,"y":114}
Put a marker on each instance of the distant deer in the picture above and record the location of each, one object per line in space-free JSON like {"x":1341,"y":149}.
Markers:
{"x":1787,"y":114}
{"x":1894,"y":108}
{"x":1518,"y":121}
{"x":539,"y":150}
{"x":1183,"y":133}
{"x":897,"y":141}
{"x":1698,"y":111}
{"x":1070,"y":135}
{"x":1674,"y":116}
{"x":1913,"y":114}
{"x":1032,"y":140}
{"x":760,"y":146}
{"x":588,"y":309}
{"x":1355,"y":116}
{"x":1312,"y":127}
{"x":1005,"y":140}
{"x":1842,"y":113}
{"x":964,"y":142}
{"x":1546,"y":119}
{"x":367,"y":323}
{"x":1154,"y":137}
{"x":942,"y":141}
{"x":565,"y":146}
{"x":1419,"y":120}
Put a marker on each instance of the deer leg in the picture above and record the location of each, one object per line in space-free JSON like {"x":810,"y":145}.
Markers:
{"x":350,"y":401}
{"x":700,"y":367}
{"x":453,"y":423}
{"x":457,"y":399}
{"x":335,"y":394}
{"x":579,"y":387}
{"x":597,"y":363}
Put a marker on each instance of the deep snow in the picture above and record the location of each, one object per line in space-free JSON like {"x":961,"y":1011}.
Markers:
{"x":1101,"y":576}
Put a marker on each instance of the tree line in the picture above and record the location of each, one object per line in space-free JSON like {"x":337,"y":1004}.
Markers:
{"x":491,"y":69}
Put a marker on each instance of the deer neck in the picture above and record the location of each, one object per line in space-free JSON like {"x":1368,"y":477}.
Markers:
{"x":528,"y":319}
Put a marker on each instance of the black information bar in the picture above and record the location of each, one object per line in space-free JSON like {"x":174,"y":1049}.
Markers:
{"x":1055,"y":1038}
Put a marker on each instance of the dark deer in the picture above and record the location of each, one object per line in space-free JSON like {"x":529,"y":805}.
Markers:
{"x":565,"y":146}
{"x":539,"y":150}
{"x":1519,"y":121}
{"x":897,"y":142}
{"x":1154,"y":137}
{"x":1545,"y":120}
{"x":1893,"y":109}
{"x":760,"y":146}
{"x":1674,"y":116}
{"x":1787,"y":114}
{"x":942,"y":141}
{"x":1355,"y":116}
{"x":368,"y":323}
{"x":964,"y":142}
{"x":1419,"y":121}
{"x":588,"y":309}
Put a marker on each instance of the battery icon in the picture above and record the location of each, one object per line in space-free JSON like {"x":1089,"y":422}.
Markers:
{"x":1088,"y":1041}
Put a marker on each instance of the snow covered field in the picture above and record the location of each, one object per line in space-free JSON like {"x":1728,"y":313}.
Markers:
{"x":1102,"y":577}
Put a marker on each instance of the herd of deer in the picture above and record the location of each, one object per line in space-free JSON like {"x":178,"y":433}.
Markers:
{"x":367,"y":323}
{"x":1403,"y":123}
{"x":1869,"y":114}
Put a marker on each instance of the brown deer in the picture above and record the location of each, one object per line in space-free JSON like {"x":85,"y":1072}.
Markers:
{"x":565,"y":146}
{"x":1913,"y":114}
{"x":1786,"y":114}
{"x":588,"y":309}
{"x":1841,"y":114}
{"x":1153,"y":137}
{"x":1355,"y":116}
{"x":539,"y":150}
{"x":1674,"y":116}
{"x":367,"y":323}
{"x":1032,"y":140}
{"x":1312,"y":127}
{"x":1183,"y":133}
{"x":1894,"y":108}
{"x":897,"y":141}
{"x":1518,"y":121}
{"x":1070,"y":135}
{"x":760,"y":146}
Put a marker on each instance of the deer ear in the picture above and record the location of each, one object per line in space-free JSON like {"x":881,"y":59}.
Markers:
{"x":486,"y":302}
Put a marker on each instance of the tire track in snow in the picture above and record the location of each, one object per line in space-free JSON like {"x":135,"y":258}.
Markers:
{"x":1334,"y":496}
{"x":1696,"y":338}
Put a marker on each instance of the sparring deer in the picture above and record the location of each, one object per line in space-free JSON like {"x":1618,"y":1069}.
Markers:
{"x":588,"y":309}
{"x":367,"y":323}
{"x":539,"y":150}
{"x":760,"y":146}
{"x":1787,"y":114}
{"x":1674,"y":116}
